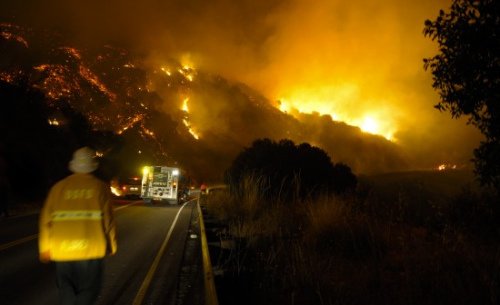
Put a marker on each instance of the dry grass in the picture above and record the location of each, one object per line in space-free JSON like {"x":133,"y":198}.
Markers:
{"x":336,"y":251}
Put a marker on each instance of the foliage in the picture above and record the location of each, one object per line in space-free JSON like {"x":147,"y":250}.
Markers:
{"x":466,"y":73}
{"x":290,"y":170}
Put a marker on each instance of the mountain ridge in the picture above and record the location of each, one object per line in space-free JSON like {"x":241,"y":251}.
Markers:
{"x":192,"y":118}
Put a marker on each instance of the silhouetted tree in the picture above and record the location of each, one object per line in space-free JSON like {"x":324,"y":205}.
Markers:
{"x":289,"y":170}
{"x":466,"y":73}
{"x":23,"y":121}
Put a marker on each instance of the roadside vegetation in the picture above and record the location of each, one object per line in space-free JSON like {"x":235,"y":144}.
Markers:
{"x":408,"y":238}
{"x":359,"y":249}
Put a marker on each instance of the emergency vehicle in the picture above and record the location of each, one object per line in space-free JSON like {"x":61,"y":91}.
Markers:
{"x":160,"y":183}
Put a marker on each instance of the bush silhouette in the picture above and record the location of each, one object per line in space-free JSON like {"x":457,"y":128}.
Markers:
{"x":289,"y":170}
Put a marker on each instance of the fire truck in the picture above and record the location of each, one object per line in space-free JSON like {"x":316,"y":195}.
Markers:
{"x":160,"y":183}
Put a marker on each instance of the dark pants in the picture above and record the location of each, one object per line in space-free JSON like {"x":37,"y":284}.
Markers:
{"x":79,"y":282}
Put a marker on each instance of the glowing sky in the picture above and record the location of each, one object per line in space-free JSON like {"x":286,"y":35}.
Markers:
{"x":359,"y":61}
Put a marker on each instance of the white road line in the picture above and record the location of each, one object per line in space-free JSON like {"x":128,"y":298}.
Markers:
{"x":149,"y":276}
{"x":127,"y":205}
{"x":18,"y":242}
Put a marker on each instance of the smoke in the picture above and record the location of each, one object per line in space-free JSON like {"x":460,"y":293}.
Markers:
{"x":354,"y":60}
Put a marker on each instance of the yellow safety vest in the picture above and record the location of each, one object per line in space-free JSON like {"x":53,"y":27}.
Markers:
{"x":76,"y":221}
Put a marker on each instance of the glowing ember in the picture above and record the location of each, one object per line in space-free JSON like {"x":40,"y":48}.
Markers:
{"x":148,"y":132}
{"x":54,"y":122}
{"x":56,"y":85}
{"x":11,"y":77}
{"x":446,"y":166}
{"x":73,"y":52}
{"x":8,"y":35}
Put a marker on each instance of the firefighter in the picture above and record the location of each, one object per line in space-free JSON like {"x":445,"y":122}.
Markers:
{"x":203,"y":188}
{"x":77,"y":230}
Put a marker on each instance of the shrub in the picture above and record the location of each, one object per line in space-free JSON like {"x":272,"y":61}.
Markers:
{"x":289,"y":171}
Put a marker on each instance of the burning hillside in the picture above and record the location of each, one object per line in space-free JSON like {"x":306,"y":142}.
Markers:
{"x":178,"y":113}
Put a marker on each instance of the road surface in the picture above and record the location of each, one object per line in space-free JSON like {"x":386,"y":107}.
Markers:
{"x":145,"y":270}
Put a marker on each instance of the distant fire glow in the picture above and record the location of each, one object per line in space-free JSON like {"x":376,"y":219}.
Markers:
{"x":446,"y":166}
{"x":370,"y":121}
{"x":370,"y":125}
{"x":54,"y":122}
{"x":166,"y":71}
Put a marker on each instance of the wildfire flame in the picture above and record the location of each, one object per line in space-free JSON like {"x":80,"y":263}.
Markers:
{"x":132,"y":122}
{"x":187,"y":72}
{"x":190,"y":129}
{"x":375,"y":122}
{"x":55,"y":84}
{"x":185,"y":105}
{"x":166,"y":71}
{"x":185,"y":108}
{"x":94,"y":80}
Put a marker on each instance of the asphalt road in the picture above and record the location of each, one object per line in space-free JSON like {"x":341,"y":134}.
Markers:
{"x":145,"y":270}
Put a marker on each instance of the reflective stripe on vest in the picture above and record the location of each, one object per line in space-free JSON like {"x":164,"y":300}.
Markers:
{"x":77,"y":215}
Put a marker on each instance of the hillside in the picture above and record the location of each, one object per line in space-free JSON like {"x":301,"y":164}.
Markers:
{"x":169,"y":112}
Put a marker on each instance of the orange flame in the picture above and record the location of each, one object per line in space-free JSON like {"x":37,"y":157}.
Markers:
{"x":94,"y":80}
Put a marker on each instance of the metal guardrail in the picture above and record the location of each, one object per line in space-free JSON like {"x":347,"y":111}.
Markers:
{"x":210,"y":291}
